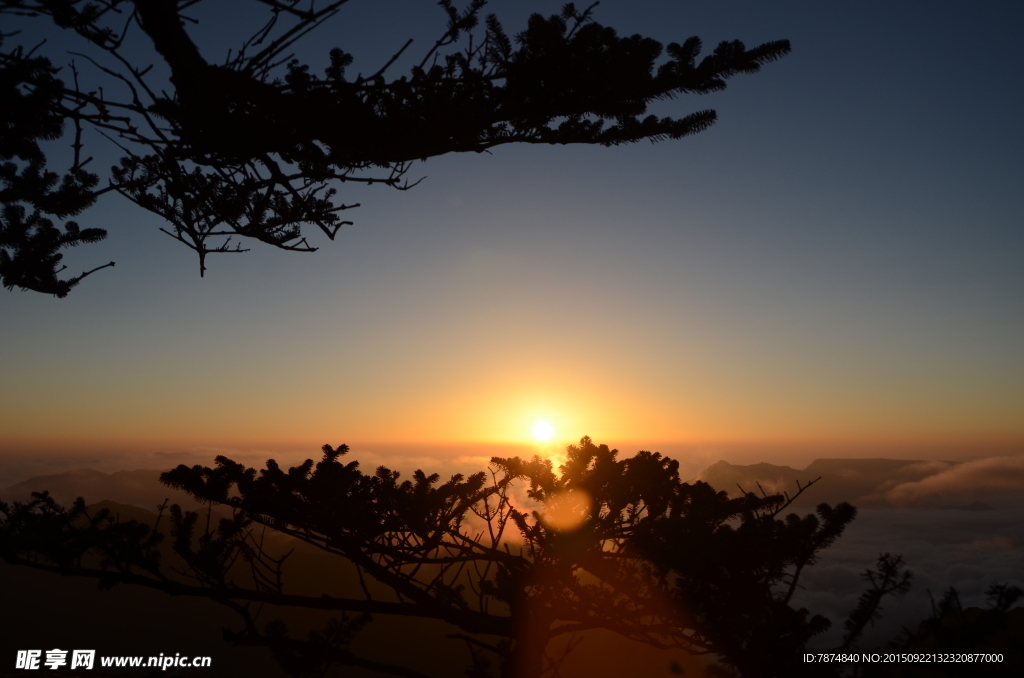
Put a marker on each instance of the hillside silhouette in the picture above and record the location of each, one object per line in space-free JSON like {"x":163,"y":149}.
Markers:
{"x":73,"y":612}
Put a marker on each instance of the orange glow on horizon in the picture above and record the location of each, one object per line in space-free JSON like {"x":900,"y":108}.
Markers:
{"x":496,"y":409}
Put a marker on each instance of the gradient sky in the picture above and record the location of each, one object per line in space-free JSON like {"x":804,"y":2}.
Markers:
{"x":837,"y":265}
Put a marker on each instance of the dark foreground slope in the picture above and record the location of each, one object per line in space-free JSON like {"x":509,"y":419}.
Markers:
{"x":50,"y":611}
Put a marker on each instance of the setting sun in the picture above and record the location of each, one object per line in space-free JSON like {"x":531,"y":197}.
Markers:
{"x":543,"y":431}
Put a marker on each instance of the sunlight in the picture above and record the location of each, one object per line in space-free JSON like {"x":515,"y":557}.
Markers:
{"x":543,"y":431}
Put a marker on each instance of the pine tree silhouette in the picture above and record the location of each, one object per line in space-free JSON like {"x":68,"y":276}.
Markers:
{"x":975,"y":641}
{"x":32,"y":112}
{"x":256,"y":148}
{"x":602,"y":542}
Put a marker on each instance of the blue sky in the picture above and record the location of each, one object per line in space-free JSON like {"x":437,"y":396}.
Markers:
{"x":837,"y":265}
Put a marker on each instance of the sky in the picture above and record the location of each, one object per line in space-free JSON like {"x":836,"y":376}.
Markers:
{"x":836,"y":268}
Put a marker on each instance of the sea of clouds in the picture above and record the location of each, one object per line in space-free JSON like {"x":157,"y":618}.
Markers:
{"x":1000,"y":479}
{"x":968,"y":550}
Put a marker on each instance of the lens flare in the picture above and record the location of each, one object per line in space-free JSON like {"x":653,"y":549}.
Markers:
{"x":566,"y":510}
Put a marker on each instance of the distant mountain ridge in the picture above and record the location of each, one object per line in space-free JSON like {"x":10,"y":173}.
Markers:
{"x":862,"y":482}
{"x":141,"y":487}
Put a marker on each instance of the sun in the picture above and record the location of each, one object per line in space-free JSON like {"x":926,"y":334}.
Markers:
{"x":543,"y":431}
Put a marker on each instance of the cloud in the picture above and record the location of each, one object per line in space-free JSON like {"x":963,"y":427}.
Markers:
{"x":969,"y":550}
{"x":995,"y":542}
{"x":965,"y":482}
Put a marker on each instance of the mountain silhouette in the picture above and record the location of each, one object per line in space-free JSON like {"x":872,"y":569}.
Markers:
{"x":861,"y":482}
{"x":140,"y":488}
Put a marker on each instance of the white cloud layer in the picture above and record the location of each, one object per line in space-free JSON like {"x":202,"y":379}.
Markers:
{"x":968,"y":550}
{"x":968,"y":481}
